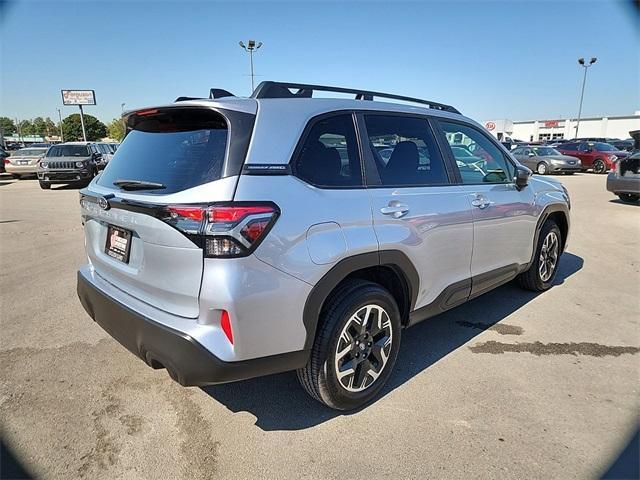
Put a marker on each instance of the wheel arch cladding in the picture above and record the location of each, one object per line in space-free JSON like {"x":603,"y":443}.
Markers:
{"x":390,"y":268}
{"x":559,"y":213}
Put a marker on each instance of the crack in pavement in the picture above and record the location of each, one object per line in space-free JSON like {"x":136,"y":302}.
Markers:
{"x":539,"y":348}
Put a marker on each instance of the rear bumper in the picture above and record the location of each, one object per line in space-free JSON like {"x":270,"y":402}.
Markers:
{"x":21,"y":169}
{"x":617,"y":184}
{"x":159,"y":346}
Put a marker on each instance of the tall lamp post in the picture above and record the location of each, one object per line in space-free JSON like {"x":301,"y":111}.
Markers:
{"x":586,"y":66}
{"x":250,"y":47}
{"x":60,"y":123}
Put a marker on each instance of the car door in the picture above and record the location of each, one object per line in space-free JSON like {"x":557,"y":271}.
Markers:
{"x":504,"y":217}
{"x":585,"y":154}
{"x":416,"y":208}
{"x":526,"y":158}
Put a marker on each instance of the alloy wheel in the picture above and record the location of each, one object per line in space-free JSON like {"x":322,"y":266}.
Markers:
{"x":363,"y":348}
{"x":542,"y":169}
{"x":548,"y":256}
{"x":599,"y":167}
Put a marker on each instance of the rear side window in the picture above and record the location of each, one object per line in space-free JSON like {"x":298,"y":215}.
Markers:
{"x":329,"y":155}
{"x":404,"y":151}
{"x":178,"y":149}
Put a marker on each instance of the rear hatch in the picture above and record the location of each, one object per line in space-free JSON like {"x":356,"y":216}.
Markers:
{"x":172,"y":158}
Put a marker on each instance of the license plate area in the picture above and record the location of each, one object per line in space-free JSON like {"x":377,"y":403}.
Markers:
{"x":118,"y":243}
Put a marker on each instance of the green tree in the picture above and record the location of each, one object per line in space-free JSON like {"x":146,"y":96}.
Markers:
{"x":116,"y":129}
{"x":39,"y":127}
{"x":72,"y":128}
{"x":25,"y":127}
{"x":50,"y":127}
{"x":7,"y":127}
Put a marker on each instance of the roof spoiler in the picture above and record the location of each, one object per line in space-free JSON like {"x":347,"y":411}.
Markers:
{"x":214,"y":93}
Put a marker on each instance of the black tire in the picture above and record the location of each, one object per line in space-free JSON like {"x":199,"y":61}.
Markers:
{"x":44,"y":185}
{"x":532,"y":279}
{"x":629,"y":197}
{"x":599,"y":167}
{"x":569,"y":173}
{"x":542,"y":168}
{"x":319,"y":377}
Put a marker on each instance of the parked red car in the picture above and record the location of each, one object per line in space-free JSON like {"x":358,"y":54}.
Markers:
{"x":598,"y":156}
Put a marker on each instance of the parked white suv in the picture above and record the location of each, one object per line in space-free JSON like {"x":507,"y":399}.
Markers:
{"x":235,"y":237}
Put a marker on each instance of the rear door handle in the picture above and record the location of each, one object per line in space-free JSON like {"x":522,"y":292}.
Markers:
{"x":395,"y":209}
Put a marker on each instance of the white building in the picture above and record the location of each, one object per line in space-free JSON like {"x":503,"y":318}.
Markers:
{"x":536,"y":130}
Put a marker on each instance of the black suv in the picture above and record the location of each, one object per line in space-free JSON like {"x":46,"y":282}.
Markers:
{"x":72,"y":163}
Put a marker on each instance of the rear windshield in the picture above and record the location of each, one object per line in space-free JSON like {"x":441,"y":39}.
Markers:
{"x":29,"y":152}
{"x":68,"y":151}
{"x":177,"y":149}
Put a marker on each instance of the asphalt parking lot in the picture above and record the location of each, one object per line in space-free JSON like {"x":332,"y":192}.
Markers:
{"x":511,"y":385}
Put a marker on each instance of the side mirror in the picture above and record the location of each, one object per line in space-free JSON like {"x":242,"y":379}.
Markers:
{"x":522,"y":177}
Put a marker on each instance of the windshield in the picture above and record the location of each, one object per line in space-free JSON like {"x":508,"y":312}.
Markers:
{"x":29,"y":152}
{"x":69,"y":151}
{"x":545,"y":151}
{"x":604,"y":147}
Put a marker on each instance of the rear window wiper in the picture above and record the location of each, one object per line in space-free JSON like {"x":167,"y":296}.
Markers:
{"x":138,"y":185}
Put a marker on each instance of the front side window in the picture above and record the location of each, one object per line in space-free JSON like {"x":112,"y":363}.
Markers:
{"x":329,"y":156}
{"x":404,"y":151}
{"x":487,"y":164}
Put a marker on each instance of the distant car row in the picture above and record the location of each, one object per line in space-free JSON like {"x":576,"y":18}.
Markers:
{"x":569,"y":157}
{"x":624,"y":145}
{"x":71,"y":162}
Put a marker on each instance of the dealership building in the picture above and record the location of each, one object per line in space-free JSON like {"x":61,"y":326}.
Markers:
{"x":550,"y":129}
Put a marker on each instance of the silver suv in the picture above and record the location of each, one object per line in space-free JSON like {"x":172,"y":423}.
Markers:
{"x":230,"y":238}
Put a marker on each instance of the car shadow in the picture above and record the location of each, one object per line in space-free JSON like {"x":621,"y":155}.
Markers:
{"x":627,"y":463}
{"x":620,"y":202}
{"x":279,"y":403}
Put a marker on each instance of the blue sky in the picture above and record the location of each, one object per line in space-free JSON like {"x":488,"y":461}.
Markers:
{"x":491,"y":60}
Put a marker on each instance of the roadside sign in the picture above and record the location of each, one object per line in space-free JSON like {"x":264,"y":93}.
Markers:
{"x":78,"y":97}
{"x":490,"y":126}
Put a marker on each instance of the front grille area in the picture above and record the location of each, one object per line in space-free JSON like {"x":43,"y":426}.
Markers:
{"x":62,"y":165}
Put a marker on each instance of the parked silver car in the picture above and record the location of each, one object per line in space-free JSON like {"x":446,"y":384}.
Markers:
{"x":543,"y":160}
{"x":624,"y":179}
{"x":24,"y":162}
{"x":230,"y":237}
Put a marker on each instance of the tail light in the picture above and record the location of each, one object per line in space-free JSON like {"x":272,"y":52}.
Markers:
{"x":224,"y":230}
{"x":6,"y":161}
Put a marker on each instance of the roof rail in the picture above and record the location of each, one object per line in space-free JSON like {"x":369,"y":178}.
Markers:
{"x":271,"y":89}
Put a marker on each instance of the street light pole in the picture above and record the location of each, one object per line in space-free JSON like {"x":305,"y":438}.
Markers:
{"x":60,"y":123}
{"x":584,"y":81}
{"x":250,"y":47}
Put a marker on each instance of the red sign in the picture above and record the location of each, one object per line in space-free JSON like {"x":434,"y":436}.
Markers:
{"x":490,"y":126}
{"x":551,"y":123}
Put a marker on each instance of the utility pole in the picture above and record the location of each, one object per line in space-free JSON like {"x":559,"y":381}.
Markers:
{"x":84,"y":132}
{"x":60,"y":124}
{"x":250,"y":47}
{"x":584,"y":81}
